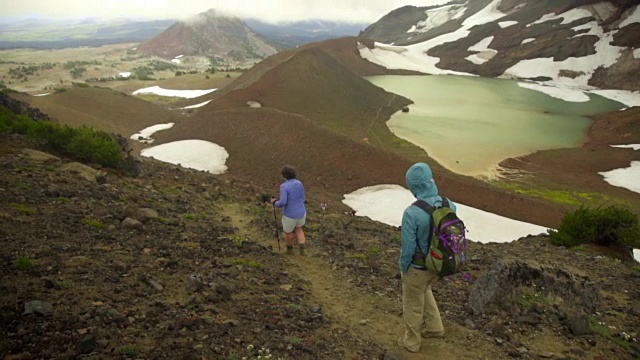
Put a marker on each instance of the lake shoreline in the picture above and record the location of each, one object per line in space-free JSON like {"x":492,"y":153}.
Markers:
{"x":486,"y":120}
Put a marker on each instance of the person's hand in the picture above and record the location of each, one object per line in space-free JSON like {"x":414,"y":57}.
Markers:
{"x":273,"y":199}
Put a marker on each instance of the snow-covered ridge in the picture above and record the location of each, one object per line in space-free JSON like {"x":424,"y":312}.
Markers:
{"x":572,"y":74}
{"x":437,"y":17}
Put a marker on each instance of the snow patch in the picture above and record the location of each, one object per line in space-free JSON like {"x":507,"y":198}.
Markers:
{"x":544,"y":18}
{"x":629,"y":98}
{"x":626,"y":178}
{"x":635,"y":147}
{"x":636,"y":53}
{"x":482,"y":45}
{"x":178,"y":57}
{"x":527,"y":40}
{"x":144,"y":136}
{"x":480,"y":58}
{"x":565,"y":94}
{"x":484,"y":52}
{"x":605,"y":56}
{"x":574,"y":14}
{"x":175,"y":61}
{"x":586,"y":26}
{"x":488,"y":14}
{"x":567,"y":16}
{"x":45,"y":94}
{"x":193,"y":154}
{"x":124,"y":74}
{"x":196,"y":105}
{"x":504,"y":24}
{"x":438,"y":16}
{"x":386,"y":203}
{"x":633,"y":17}
{"x":157,"y":90}
{"x":395,"y":49}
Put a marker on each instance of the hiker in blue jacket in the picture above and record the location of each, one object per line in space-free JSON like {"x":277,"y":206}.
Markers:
{"x":294,"y":212}
{"x":419,"y":308}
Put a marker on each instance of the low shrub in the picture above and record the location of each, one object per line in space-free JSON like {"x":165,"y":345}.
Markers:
{"x":23,"y":208}
{"x":362,"y":257}
{"x":128,"y":350}
{"x":22,"y":263}
{"x":82,"y":143}
{"x":94,"y":146}
{"x":93,"y":223}
{"x":250,"y":263}
{"x":610,"y":226}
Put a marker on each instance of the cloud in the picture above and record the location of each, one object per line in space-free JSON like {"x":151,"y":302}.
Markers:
{"x":357,"y":11}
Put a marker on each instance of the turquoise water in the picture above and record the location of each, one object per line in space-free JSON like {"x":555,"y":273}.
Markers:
{"x":470,"y":124}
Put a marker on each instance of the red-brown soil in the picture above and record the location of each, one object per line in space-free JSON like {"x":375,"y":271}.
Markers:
{"x":305,"y":90}
{"x":223,"y":289}
{"x":578,"y":168}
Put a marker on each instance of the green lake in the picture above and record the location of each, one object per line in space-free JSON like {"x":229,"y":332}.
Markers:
{"x":470,"y":124}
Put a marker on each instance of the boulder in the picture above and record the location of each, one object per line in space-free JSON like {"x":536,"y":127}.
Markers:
{"x":40,"y":157}
{"x":503,"y":287}
{"x":83,"y":171}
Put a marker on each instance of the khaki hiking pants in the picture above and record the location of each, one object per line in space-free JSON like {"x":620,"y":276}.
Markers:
{"x":419,"y":308}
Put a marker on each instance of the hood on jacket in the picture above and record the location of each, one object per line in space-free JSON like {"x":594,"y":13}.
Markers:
{"x":420,"y":181}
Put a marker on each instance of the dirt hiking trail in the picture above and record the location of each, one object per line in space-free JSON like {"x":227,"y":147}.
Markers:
{"x":371,"y":318}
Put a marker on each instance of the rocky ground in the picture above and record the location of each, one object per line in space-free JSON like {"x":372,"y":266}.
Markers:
{"x":182,"y":264}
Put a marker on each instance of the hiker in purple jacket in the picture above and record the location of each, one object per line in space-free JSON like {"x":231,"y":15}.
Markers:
{"x":294,"y":213}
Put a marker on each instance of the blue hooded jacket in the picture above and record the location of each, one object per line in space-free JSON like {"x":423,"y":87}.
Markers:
{"x":416,"y":223}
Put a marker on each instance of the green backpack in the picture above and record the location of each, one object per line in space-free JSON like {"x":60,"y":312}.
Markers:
{"x":447,"y":253}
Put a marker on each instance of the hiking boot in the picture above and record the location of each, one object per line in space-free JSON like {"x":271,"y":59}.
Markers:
{"x":432,"y":334}
{"x":289,"y":250}
{"x":401,"y":344}
{"x":303,"y":252}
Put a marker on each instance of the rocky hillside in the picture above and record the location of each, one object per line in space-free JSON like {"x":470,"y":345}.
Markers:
{"x":178,"y":263}
{"x":573,"y":42}
{"x":211,"y":34}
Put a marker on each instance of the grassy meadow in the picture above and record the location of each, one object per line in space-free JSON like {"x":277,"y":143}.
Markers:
{"x":35,"y":71}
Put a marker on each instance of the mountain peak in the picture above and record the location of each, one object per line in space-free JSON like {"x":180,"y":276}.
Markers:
{"x":211,"y":33}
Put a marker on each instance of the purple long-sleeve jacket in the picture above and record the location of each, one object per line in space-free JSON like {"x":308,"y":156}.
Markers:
{"x":292,"y":199}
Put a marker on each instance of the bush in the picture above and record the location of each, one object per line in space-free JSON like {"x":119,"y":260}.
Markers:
{"x":94,"y":146}
{"x":608,"y":226}
{"x":83,"y":143}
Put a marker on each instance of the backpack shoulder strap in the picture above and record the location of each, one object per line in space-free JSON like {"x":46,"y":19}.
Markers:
{"x":424,"y":206}
{"x":429,"y":210}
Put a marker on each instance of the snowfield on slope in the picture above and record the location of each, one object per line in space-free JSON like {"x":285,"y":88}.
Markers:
{"x":414,"y":57}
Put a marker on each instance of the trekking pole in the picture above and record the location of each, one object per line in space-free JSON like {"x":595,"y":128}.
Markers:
{"x":275,"y":223}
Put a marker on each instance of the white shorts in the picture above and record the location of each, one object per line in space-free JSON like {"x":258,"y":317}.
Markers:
{"x":288,"y":224}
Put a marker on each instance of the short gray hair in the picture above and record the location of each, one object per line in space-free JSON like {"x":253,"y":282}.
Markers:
{"x":288,"y":172}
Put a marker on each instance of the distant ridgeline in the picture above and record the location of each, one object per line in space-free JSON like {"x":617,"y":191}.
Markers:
{"x":207,"y":34}
{"x":63,"y":44}
{"x":57,"y":34}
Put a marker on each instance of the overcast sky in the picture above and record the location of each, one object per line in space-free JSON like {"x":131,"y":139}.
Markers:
{"x":360,"y":11}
